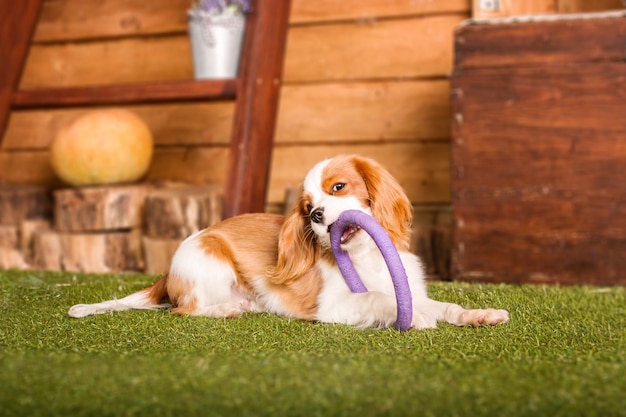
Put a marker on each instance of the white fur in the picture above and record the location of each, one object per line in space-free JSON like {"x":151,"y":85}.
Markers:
{"x":135,"y":301}
{"x":212,"y":279}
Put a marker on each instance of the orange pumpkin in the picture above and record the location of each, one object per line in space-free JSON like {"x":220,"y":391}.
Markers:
{"x":102,"y":147}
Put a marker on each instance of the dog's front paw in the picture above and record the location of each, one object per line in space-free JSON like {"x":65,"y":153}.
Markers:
{"x":421,"y":321}
{"x":486,"y":317}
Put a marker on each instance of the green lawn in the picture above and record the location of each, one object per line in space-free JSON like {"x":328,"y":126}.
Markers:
{"x":562,"y":354}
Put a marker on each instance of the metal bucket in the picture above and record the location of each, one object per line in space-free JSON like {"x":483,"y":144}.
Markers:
{"x":215,"y":43}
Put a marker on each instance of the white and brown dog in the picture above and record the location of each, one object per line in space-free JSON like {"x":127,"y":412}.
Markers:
{"x":285,"y":266}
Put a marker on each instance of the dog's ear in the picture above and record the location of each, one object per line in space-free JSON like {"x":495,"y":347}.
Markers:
{"x":389,"y":203}
{"x":297,"y":247}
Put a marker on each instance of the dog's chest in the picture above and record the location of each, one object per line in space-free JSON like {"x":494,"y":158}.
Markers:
{"x":373,"y":271}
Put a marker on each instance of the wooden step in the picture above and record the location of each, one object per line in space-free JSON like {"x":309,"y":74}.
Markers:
{"x":143,"y":93}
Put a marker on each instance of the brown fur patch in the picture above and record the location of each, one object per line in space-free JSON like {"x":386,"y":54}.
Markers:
{"x":157,"y":292}
{"x":341,"y":170}
{"x":251,"y":244}
{"x":297,"y":248}
{"x":300,"y":295}
{"x":181,"y":293}
{"x":389,"y":203}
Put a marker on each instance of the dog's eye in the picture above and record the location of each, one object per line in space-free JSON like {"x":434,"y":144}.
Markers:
{"x":309,"y":208}
{"x":338,"y":187}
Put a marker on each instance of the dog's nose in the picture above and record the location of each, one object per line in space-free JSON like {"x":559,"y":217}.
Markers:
{"x":317,"y":215}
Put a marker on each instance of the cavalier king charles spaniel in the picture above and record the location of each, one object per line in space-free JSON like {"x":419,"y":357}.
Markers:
{"x":285,"y":265}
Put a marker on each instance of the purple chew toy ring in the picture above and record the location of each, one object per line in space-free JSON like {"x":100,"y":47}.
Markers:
{"x":390,"y":254}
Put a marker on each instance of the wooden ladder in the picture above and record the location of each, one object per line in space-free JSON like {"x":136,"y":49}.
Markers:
{"x":255,"y":90}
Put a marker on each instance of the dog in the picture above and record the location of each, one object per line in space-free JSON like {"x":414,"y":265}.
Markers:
{"x":285,"y":265}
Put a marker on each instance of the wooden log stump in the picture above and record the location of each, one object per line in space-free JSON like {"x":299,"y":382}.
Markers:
{"x":20,"y":202}
{"x":432,"y":244}
{"x":158,"y":254}
{"x":27,"y":231}
{"x":105,"y":208}
{"x":9,"y":237}
{"x":10,"y":256}
{"x":88,"y":252}
{"x":176,"y":210}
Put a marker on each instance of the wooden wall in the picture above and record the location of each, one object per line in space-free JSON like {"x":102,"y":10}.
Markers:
{"x":364,"y":76}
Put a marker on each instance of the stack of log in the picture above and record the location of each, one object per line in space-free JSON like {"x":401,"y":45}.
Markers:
{"x":23,"y":211}
{"x":134,"y":227}
{"x":137,"y":227}
{"x":96,"y":229}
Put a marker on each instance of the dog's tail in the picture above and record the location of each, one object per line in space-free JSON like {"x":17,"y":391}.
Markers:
{"x":152,"y":297}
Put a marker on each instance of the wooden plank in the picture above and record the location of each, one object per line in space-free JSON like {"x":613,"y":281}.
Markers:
{"x":71,"y":20}
{"x":13,"y":168}
{"x":171,"y":124}
{"x":574,"y":259}
{"x":306,"y":11}
{"x":198,"y":165}
{"x":115,"y":61}
{"x":159,"y":92}
{"x":64,"y":20}
{"x":414,"y":47}
{"x":422,"y":168}
{"x":368,"y":111}
{"x":428,"y":183}
{"x":576,"y":110}
{"x":541,"y":41}
{"x":538,"y":188}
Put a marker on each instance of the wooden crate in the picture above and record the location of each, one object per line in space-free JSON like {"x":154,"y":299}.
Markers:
{"x":539,"y":150}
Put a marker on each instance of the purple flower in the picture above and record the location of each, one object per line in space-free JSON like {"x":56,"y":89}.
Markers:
{"x":218,"y":6}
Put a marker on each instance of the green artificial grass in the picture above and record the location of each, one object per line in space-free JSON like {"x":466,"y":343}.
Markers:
{"x":562,"y":354}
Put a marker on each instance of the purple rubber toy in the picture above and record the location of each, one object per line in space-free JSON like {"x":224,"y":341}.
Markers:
{"x":390,"y":254}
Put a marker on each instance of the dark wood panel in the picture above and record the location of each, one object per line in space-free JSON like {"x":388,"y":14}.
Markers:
{"x":539,"y":162}
{"x":557,"y":213}
{"x":540,"y":126}
{"x":528,"y":258}
{"x":545,"y":40}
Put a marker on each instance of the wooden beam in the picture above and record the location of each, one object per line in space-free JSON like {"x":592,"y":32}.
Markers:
{"x":257,"y":107}
{"x":124,"y":94}
{"x":17,"y":24}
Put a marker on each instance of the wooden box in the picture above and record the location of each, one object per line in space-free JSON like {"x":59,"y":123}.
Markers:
{"x":539,"y":150}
